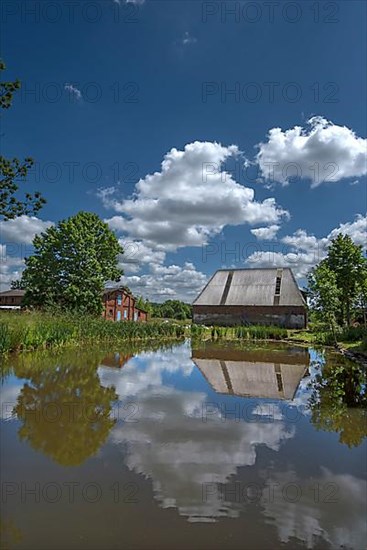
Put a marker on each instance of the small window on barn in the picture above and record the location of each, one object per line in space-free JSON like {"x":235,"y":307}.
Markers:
{"x":119,"y":299}
{"x":277,"y":286}
{"x":110,"y":312}
{"x":278,"y":282}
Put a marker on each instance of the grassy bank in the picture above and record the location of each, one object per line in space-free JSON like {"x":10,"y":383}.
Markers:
{"x":352,"y":337}
{"x":31,"y":331}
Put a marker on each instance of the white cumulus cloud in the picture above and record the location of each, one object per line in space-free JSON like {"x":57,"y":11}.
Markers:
{"x":266,"y":233}
{"x":22,"y":229}
{"x":190,"y":200}
{"x":167,"y":282}
{"x":321,"y":152}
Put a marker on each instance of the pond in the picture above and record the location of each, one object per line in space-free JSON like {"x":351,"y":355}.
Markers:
{"x":199,"y":446}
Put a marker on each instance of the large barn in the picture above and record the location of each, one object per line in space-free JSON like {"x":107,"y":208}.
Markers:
{"x":251,"y":296}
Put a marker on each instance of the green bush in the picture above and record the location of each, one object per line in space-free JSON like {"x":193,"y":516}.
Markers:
{"x":353,"y":334}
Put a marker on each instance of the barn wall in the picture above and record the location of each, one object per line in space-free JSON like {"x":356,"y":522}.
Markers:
{"x":284,"y":316}
{"x":11,"y":300}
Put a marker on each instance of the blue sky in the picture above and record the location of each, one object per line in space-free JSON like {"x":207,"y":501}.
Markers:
{"x":110,"y":88}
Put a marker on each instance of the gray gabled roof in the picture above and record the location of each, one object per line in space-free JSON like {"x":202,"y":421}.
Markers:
{"x":251,"y":287}
{"x":13,"y":292}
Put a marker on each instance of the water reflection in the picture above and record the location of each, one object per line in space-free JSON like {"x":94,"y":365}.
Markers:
{"x":253,"y":373}
{"x":339,"y":399}
{"x":330,"y":507}
{"x":64,"y":409}
{"x":206,"y":428}
{"x":180,"y":440}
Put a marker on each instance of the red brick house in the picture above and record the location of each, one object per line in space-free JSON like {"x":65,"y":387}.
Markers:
{"x":119,"y":305}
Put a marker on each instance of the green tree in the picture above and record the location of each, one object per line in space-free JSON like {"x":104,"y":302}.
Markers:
{"x":361,"y":302}
{"x":13,"y":171}
{"x":17,"y":285}
{"x":324,"y":294}
{"x":144,"y":304}
{"x":72,"y":261}
{"x":345,"y":259}
{"x":172,"y":309}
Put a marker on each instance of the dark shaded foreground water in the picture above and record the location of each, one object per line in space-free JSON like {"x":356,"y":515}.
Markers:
{"x":211,"y":447}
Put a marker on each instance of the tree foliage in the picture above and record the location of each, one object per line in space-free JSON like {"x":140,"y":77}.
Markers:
{"x":326,"y":295}
{"x":346,"y":260}
{"x":13,"y":171}
{"x":17,"y":285}
{"x":71,"y":264}
{"x":338,"y":284}
{"x":144,"y":304}
{"x":172,"y":309}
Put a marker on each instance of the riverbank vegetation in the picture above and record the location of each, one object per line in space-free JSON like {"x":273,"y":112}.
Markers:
{"x":25,"y":331}
{"x":39,"y":330}
{"x":170,"y":309}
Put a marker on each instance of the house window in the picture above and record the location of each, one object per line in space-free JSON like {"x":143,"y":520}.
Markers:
{"x":110,"y":312}
{"x":119,"y":299}
{"x":125,"y":313}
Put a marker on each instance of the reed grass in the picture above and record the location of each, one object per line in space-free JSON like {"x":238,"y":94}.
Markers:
{"x":31,"y":331}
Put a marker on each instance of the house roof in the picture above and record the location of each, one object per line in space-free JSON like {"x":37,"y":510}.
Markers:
{"x":111,"y":289}
{"x":250,"y":287}
{"x":13,"y":292}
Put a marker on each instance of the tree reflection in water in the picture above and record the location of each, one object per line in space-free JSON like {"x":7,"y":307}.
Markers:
{"x":64,"y":409}
{"x":339,"y":399}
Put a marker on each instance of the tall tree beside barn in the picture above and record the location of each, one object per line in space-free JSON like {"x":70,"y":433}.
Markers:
{"x":339,"y":282}
{"x":14,"y":171}
{"x":71,"y":263}
{"x":346,"y":260}
{"x":325,"y":295}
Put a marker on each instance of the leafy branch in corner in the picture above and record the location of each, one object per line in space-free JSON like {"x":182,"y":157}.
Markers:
{"x":14,"y":171}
